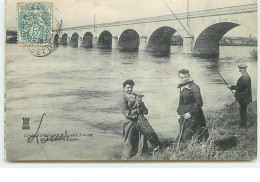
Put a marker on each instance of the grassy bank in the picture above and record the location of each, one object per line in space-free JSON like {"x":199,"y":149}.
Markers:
{"x":226,"y":141}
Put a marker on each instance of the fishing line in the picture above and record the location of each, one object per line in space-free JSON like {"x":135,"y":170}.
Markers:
{"x":176,"y":18}
{"x":216,"y":70}
{"x":198,"y":50}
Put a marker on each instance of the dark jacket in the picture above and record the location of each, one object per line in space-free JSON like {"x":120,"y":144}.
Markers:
{"x":243,"y":89}
{"x":190,"y":100}
{"x":129,"y":109}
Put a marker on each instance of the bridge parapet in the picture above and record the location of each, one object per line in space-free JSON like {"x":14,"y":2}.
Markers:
{"x":205,"y":30}
{"x":195,"y":14}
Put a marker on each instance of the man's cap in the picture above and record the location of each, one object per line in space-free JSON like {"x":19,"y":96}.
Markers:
{"x":242,"y":66}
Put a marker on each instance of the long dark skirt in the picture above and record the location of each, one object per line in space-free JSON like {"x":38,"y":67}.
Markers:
{"x":193,"y":128}
{"x":135,"y":142}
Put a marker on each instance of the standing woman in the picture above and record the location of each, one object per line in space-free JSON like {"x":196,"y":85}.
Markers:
{"x":190,"y":115}
{"x":135,"y":142}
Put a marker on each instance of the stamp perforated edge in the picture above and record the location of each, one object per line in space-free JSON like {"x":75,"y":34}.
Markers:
{"x":33,"y":45}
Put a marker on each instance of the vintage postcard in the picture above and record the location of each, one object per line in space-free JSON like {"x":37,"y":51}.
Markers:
{"x":139,"y":80}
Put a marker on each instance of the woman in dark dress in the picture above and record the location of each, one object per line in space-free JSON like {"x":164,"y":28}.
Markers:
{"x":135,"y":143}
{"x":190,"y":115}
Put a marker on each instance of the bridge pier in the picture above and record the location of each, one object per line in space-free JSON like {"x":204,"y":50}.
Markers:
{"x":114,"y":42}
{"x":94,"y":41}
{"x":143,"y":43}
{"x":59,"y":40}
{"x":80,"y":41}
{"x":68,"y":40}
{"x":188,"y":44}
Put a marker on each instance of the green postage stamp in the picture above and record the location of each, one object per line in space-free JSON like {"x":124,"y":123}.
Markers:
{"x":34,"y":23}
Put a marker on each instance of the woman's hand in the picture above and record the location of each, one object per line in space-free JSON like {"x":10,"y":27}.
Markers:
{"x":187,"y":115}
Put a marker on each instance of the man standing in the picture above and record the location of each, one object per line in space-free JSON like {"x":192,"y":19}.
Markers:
{"x":243,"y":94}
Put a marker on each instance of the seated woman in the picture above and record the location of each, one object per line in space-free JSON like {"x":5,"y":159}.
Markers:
{"x":190,"y":115}
{"x":135,"y":143}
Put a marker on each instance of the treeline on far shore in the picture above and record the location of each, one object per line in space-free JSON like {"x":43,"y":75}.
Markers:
{"x":225,"y":41}
{"x":238,"y":41}
{"x":11,"y":37}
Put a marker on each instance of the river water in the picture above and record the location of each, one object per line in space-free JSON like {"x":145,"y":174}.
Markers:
{"x":79,"y":90}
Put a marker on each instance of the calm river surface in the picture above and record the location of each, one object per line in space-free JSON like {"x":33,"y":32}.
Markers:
{"x":79,"y":90}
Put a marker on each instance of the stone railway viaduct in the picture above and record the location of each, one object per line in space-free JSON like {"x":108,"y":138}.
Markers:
{"x":205,"y":29}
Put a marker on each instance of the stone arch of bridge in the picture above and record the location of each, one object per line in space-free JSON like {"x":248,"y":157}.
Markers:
{"x":64,"y":39}
{"x":87,"y":40}
{"x":56,"y":39}
{"x":129,"y":40}
{"x":207,"y":42}
{"x":74,"y":39}
{"x":105,"y":40}
{"x":160,"y":39}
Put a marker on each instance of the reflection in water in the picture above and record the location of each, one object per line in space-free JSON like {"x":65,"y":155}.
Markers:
{"x":105,"y":51}
{"x":79,"y":88}
{"x":160,"y":54}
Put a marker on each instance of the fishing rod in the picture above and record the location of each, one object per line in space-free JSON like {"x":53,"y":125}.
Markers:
{"x":176,"y":18}
{"x":199,"y":50}
{"x":216,"y":70}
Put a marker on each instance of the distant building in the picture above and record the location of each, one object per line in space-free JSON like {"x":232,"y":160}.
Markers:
{"x":238,"y":41}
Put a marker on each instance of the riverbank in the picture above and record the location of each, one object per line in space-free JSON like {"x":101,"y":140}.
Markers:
{"x":226,"y":142}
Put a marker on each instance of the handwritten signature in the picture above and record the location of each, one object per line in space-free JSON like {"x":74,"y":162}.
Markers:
{"x":53,"y":137}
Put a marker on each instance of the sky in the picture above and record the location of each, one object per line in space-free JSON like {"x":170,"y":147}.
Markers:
{"x":81,"y":12}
